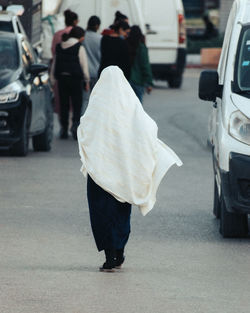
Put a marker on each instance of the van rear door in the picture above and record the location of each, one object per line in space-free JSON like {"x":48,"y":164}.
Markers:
{"x":161,"y":18}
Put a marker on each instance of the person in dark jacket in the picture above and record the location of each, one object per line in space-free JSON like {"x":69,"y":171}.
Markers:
{"x":114,"y":49}
{"x":71,"y":71}
{"x":141,"y":73}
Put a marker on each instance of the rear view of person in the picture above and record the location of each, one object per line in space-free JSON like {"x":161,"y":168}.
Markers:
{"x":71,"y":20}
{"x":114,"y":49}
{"x":71,"y":71}
{"x":141,"y":74}
{"x":92,"y":44}
{"x":116,"y":178}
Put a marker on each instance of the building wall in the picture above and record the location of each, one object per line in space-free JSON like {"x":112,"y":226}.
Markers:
{"x":225,"y":7}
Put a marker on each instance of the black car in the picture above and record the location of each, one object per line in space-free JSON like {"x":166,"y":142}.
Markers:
{"x":25,"y":97}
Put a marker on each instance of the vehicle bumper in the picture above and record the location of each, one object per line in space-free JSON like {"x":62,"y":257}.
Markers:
{"x":236,"y":184}
{"x":11,"y":123}
{"x":164,"y":71}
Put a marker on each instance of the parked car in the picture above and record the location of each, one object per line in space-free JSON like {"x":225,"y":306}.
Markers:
{"x":229,"y":129}
{"x":25,"y":97}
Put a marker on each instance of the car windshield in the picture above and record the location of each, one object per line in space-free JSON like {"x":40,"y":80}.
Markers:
{"x":243,"y":66}
{"x":6,"y":26}
{"x":9,"y":58}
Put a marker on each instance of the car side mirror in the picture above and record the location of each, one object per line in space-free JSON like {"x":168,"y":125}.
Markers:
{"x":209,"y":88}
{"x":35,"y":69}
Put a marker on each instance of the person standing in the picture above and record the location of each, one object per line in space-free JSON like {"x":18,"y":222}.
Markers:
{"x":114,"y":49}
{"x":141,"y":74}
{"x":71,"y":20}
{"x":123,"y":160}
{"x":70,"y":69}
{"x":92,"y":45}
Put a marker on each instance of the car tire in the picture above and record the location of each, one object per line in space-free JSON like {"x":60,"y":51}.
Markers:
{"x":43,"y":141}
{"x":175,"y":81}
{"x":232,"y":225}
{"x":217,"y":201}
{"x":22,"y":146}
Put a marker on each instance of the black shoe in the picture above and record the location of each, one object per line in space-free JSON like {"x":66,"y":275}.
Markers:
{"x":63,"y":134}
{"x":120,"y":258}
{"x":109,"y":265}
{"x":107,"y":268}
{"x":118,"y":263}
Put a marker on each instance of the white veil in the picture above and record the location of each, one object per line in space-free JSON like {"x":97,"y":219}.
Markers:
{"x":118,"y":143}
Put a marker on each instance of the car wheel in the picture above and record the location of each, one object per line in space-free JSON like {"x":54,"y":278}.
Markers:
{"x":175,"y":81}
{"x":217,"y":201}
{"x":22,"y":146}
{"x":43,"y":141}
{"x":232,"y":225}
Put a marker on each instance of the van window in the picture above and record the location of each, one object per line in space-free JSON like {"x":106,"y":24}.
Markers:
{"x":243,"y":66}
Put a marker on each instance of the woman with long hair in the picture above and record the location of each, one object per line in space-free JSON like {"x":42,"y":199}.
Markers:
{"x":70,"y":69}
{"x":114,"y":49}
{"x":71,"y":20}
{"x":123,"y":160}
{"x":140,"y":73}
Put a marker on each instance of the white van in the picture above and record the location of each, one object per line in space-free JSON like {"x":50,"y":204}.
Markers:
{"x":229,"y":127}
{"x":161,"y":20}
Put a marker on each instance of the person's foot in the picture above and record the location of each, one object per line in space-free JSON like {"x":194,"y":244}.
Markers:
{"x":109,"y":265}
{"x":63,"y":134}
{"x":120,"y":258}
{"x":108,"y":268}
{"x":119,"y":262}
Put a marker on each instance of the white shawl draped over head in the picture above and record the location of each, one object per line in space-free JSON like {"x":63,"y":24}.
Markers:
{"x":118,"y":143}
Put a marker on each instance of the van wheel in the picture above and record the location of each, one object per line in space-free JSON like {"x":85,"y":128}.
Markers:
{"x":22,"y":146}
{"x":43,"y":141}
{"x":232,"y":225}
{"x":175,"y":81}
{"x":217,"y":201}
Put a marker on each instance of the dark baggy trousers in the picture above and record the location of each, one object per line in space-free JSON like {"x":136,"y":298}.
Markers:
{"x":70,"y":88}
{"x":110,"y":219}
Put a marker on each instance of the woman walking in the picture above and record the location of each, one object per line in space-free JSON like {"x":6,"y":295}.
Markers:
{"x":71,"y":71}
{"x":114,"y":49}
{"x":71,"y":20}
{"x":141,"y":73}
{"x":123,"y":160}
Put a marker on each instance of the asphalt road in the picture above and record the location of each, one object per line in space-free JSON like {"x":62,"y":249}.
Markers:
{"x":176,"y":261}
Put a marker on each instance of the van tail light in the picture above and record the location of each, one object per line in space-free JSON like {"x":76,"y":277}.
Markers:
{"x":182,"y":28}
